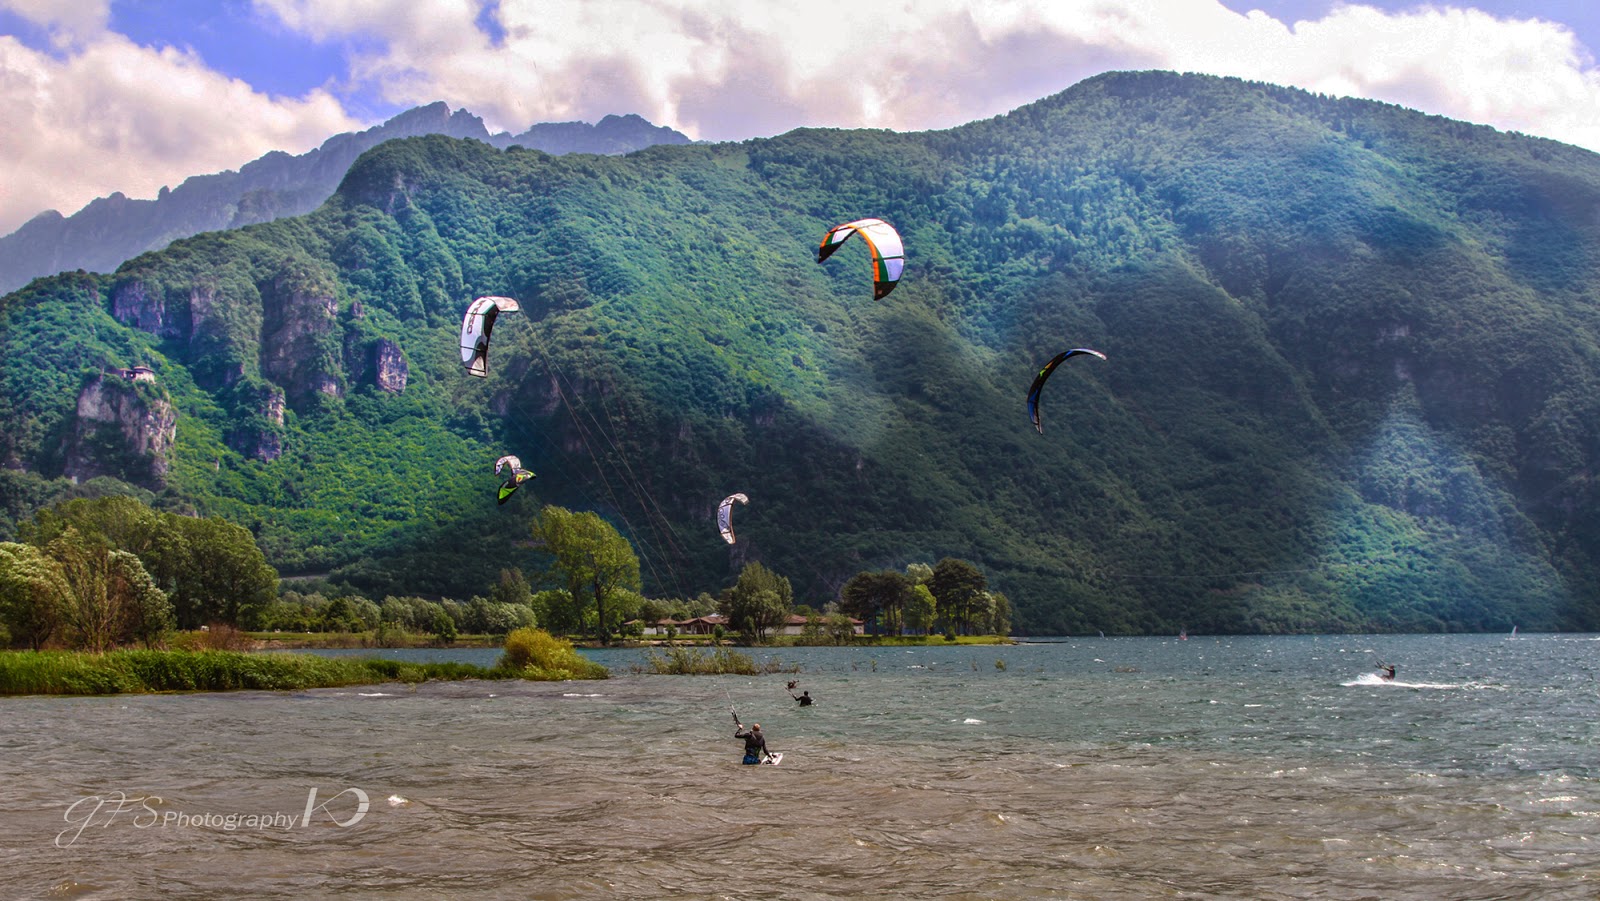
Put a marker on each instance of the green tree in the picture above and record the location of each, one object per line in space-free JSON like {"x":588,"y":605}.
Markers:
{"x":590,"y":558}
{"x":224,"y":577}
{"x":758,"y":603}
{"x":840,"y":629}
{"x":366,"y":614}
{"x":815,"y":628}
{"x":919,"y":573}
{"x":442,"y":626}
{"x":339,"y":616}
{"x":958,"y":588}
{"x":127,"y":524}
{"x":33,"y":594}
{"x":558,"y":610}
{"x":512,"y":589}
{"x":921,"y":609}
{"x":999,"y":618}
{"x":110,"y":599}
{"x":879,"y":598}
{"x":496,"y":617}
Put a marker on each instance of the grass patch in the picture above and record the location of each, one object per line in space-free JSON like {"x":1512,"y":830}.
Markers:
{"x":677,"y":660}
{"x":374,"y":639}
{"x":135,"y":672}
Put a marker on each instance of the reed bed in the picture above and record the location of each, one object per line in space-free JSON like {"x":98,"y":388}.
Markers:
{"x":141,"y":671}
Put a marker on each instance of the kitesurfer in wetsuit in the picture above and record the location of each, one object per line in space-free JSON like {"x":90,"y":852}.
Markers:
{"x":803,"y":697}
{"x":1386,"y":671}
{"x":755,"y":744}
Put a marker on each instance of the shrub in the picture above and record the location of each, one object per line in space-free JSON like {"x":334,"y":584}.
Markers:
{"x":681,"y":660}
{"x":391,"y":635}
{"x":536,"y":654}
{"x":223,"y":637}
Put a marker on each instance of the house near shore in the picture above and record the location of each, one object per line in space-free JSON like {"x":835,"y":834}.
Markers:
{"x":705,"y":625}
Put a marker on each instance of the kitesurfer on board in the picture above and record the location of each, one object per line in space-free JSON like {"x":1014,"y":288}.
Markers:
{"x":755,"y":744}
{"x":803,"y":697}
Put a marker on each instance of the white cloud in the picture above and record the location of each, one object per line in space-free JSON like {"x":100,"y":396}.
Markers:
{"x":106,"y":115}
{"x":722,"y":70}
{"x":101,"y":114}
{"x":75,"y":19}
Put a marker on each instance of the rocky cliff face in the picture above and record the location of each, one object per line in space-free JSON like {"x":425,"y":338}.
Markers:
{"x":259,"y":434}
{"x":389,"y":368}
{"x":299,"y":337}
{"x":197,"y":317}
{"x":294,"y":348}
{"x":122,"y":430}
{"x":136,"y":305}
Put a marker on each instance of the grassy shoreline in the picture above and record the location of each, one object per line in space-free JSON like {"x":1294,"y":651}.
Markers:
{"x":274,"y":641}
{"x":296,"y":641}
{"x":148,"y":671}
{"x":545,"y":658}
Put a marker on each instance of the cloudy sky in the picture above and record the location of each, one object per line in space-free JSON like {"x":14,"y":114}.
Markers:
{"x":129,"y":95}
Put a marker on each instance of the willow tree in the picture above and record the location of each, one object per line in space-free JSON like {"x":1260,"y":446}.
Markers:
{"x":589,"y":558}
{"x":111,"y":598}
{"x":33,"y":594}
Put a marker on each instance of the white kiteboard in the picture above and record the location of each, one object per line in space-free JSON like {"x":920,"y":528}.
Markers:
{"x":774,"y":759}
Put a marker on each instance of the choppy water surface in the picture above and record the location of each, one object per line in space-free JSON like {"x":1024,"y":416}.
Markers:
{"x":1098,"y":769}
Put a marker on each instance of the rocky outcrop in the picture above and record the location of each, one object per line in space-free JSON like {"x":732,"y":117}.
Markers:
{"x":122,"y":429}
{"x":260,"y":435}
{"x":133,"y":303}
{"x":375,"y":361}
{"x":388,"y":363}
{"x":299,"y":343}
{"x":195,"y":317}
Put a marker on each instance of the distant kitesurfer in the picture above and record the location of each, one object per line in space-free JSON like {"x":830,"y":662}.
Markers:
{"x":1386,"y":672}
{"x":803,"y":697}
{"x":755,"y":745}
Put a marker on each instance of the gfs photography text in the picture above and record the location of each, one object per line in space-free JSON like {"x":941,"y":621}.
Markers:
{"x":343,"y":810}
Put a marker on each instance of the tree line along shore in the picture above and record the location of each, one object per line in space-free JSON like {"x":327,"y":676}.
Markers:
{"x":97,"y":574}
{"x":106,"y":595}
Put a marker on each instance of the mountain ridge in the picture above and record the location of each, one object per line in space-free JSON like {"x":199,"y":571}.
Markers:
{"x":109,"y":230}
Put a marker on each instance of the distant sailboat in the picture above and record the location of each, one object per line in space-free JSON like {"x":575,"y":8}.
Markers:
{"x":1513,"y":631}
{"x":1183,"y":634}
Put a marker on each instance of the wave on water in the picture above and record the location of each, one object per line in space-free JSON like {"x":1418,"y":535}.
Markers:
{"x":1373,"y":679}
{"x":970,"y":721}
{"x":374,"y":694}
{"x":574,"y":694}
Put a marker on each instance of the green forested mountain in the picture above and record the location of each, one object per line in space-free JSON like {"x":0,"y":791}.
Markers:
{"x":1352,"y":354}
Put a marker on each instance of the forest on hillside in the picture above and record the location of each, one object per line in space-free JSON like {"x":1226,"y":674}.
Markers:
{"x":1348,"y":381}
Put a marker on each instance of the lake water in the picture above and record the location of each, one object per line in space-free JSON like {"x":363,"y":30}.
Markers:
{"x":1259,"y":768}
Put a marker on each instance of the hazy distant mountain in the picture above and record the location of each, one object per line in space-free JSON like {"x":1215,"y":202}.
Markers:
{"x":113,"y":229}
